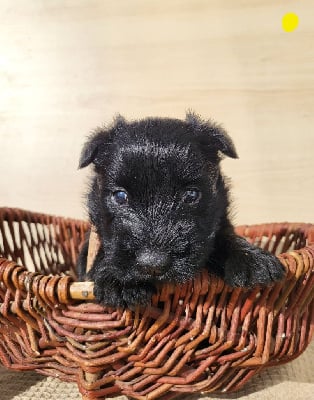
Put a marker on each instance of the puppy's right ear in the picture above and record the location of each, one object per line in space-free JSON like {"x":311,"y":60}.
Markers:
{"x":88,"y":154}
{"x":94,"y":150}
{"x":91,"y":149}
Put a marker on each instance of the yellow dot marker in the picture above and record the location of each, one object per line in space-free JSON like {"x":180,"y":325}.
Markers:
{"x":290,"y":21}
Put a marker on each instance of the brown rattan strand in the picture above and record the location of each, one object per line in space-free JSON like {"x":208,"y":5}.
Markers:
{"x":198,"y":337}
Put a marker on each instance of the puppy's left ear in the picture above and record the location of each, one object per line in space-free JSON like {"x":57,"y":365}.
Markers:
{"x":211,"y":135}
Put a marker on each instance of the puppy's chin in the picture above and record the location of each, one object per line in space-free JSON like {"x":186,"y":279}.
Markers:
{"x":179,"y":272}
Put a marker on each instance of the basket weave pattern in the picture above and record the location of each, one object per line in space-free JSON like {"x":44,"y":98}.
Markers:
{"x":198,"y":337}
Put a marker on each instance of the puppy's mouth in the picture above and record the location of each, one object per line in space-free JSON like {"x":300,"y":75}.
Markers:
{"x":173,"y":273}
{"x":152,"y":275}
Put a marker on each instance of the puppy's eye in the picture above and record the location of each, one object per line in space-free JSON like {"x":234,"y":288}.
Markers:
{"x":120,"y":197}
{"x":192,"y":196}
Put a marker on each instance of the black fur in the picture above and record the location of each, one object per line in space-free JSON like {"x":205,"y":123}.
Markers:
{"x":157,"y":235}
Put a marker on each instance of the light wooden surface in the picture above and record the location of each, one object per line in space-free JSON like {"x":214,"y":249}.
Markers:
{"x":68,"y":66}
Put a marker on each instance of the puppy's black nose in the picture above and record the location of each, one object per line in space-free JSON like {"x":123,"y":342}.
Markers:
{"x":153,"y":262}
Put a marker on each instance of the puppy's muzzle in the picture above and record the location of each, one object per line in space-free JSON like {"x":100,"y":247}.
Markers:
{"x":153,"y":263}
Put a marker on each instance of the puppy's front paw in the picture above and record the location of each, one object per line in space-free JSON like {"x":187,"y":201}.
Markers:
{"x":252,"y":266}
{"x":138,"y":295}
{"x":114,"y":294}
{"x":108,"y":293}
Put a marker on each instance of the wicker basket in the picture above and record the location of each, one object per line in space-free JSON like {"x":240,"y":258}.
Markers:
{"x":198,"y":337}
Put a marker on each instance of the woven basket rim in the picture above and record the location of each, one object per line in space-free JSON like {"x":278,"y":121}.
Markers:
{"x":83,"y":290}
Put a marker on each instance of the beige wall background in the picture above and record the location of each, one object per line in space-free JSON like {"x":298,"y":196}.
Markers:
{"x":69,"y":66}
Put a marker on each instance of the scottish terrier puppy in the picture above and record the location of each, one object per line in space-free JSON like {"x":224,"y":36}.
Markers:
{"x":159,"y":203}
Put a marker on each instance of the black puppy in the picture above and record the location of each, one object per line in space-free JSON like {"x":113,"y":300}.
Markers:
{"x":159,"y":203}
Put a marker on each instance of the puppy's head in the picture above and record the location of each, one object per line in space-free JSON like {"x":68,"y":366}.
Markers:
{"x":157,"y":197}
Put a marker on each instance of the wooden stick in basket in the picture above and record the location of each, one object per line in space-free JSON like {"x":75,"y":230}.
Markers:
{"x":93,"y":248}
{"x":84,"y":290}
